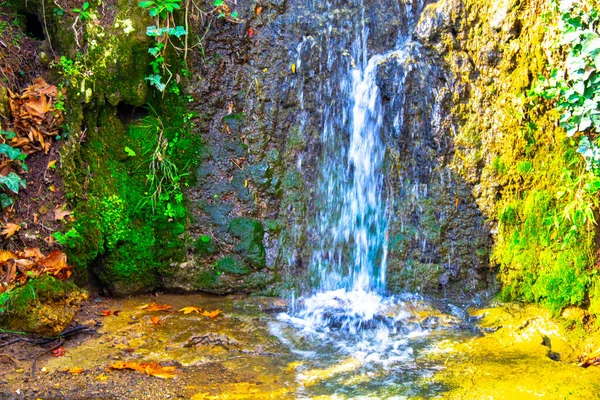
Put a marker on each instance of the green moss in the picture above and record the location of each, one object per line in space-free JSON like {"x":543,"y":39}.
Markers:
{"x":232,"y":265}
{"x":204,"y":245}
{"x":44,"y":305}
{"x":250,"y":247}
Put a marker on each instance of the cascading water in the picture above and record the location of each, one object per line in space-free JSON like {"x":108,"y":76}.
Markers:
{"x":348,"y":320}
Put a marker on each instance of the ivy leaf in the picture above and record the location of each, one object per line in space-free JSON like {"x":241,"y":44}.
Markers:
{"x":178,"y":31}
{"x":13,"y":182}
{"x":6,"y":200}
{"x":9,"y":151}
{"x":590,"y":45}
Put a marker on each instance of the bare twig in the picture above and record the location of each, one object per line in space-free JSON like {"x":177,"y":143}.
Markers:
{"x":33,"y":366}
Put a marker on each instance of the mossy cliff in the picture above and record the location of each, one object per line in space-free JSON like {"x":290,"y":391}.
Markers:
{"x":526,"y":176}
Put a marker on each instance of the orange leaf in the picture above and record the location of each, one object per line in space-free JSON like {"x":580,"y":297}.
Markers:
{"x":51,"y":164}
{"x":55,"y":263}
{"x":106,"y":313}
{"x":190,"y":309}
{"x":10,"y":229}
{"x":33,"y":253}
{"x":153,"y":369}
{"x":157,"y":307}
{"x":155,"y":319}
{"x":250,"y":32}
{"x":258,"y":11}
{"x":6,"y":255}
{"x":76,"y":370}
{"x":211,"y":314}
{"x":58,"y":352}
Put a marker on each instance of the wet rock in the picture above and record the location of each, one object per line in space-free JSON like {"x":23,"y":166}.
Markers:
{"x":213,"y":339}
{"x":250,"y":233}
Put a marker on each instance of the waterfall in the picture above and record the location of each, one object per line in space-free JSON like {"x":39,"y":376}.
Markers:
{"x":349,"y":254}
{"x":352,"y":220}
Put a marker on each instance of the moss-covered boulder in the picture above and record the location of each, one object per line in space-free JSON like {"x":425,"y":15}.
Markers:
{"x":250,"y":247}
{"x":44,"y":305}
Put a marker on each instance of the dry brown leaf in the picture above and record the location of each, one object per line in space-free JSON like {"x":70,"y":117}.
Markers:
{"x":157,"y":307}
{"x":190,"y":309}
{"x":61,"y":212}
{"x":6,"y":255}
{"x":211,"y":314}
{"x":56,"y":264}
{"x":34,"y":253}
{"x":10,"y":229}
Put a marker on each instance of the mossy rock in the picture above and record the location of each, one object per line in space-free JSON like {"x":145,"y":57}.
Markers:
{"x":44,"y":305}
{"x":233,"y":265}
{"x":250,"y":247}
{"x":204,"y":246}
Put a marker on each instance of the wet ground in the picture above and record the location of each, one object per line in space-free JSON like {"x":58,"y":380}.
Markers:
{"x":251,"y":351}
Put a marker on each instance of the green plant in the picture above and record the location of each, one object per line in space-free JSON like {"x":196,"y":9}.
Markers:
{"x":164,"y":177}
{"x":11,"y":183}
{"x":578,"y":91}
{"x":160,"y":7}
{"x":163,"y":30}
{"x":83,"y":12}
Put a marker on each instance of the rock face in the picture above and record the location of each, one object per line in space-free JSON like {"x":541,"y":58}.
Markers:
{"x":262,"y":106}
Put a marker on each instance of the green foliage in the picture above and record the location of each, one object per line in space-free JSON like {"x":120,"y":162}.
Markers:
{"x":162,"y":32}
{"x":11,"y":183}
{"x":577,"y":92}
{"x":160,"y":7}
{"x":545,"y":244}
{"x":83,"y":12}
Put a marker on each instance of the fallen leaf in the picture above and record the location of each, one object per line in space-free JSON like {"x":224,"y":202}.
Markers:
{"x":211,"y":314}
{"x":61,"y":212}
{"x":6,"y":255}
{"x":58,"y":352}
{"x":52,"y":188}
{"x":250,"y":32}
{"x":106,"y":313}
{"x":155,"y":319}
{"x":157,"y":307}
{"x":101,"y":377}
{"x":10,"y":229}
{"x":56,"y":264}
{"x":190,"y":309}
{"x":258,"y":11}
{"x":152,"y":369}
{"x":246,"y":183}
{"x":75,"y":370}
{"x":33,"y":253}
{"x":293,"y":68}
{"x":51,"y":164}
